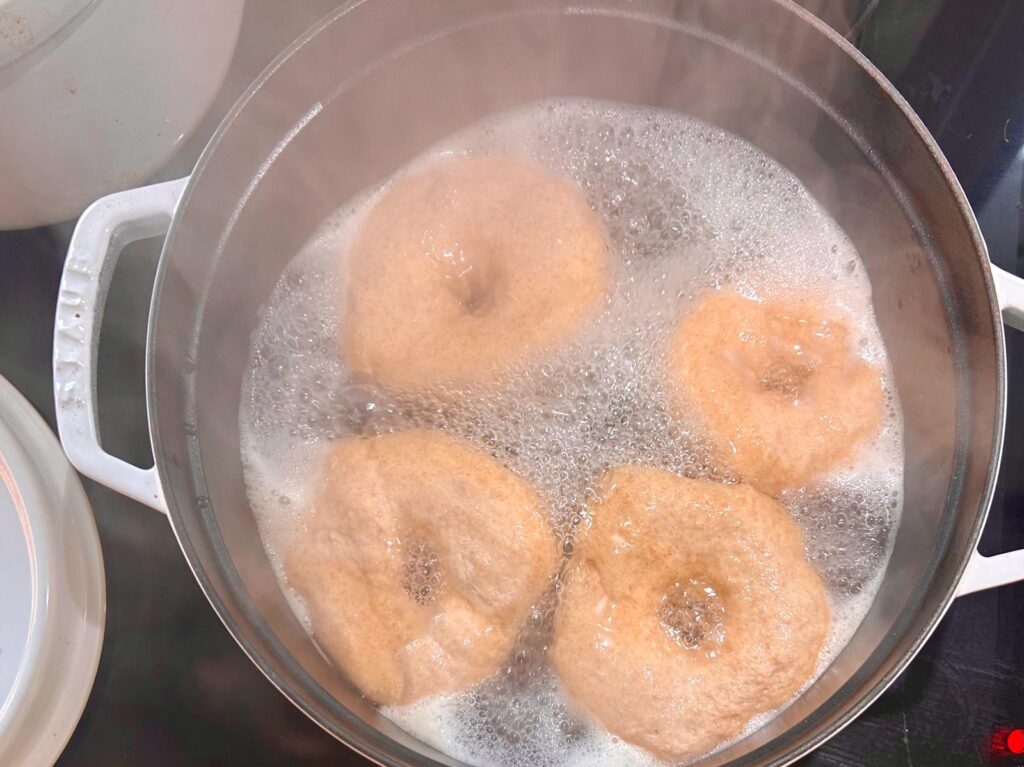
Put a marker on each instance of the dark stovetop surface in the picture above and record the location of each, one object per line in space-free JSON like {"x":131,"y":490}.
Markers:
{"x":173,"y":688}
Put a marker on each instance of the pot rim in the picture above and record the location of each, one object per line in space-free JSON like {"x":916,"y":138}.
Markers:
{"x":356,"y":741}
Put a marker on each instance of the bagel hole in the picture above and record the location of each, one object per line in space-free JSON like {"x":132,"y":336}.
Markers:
{"x":422,"y":578}
{"x":785,"y":378}
{"x":474,"y":283}
{"x":692,"y":615}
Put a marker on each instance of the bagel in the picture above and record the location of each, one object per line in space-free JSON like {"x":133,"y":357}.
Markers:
{"x":688,"y":608}
{"x":780,"y":392}
{"x":466,"y":268}
{"x":419,"y":563}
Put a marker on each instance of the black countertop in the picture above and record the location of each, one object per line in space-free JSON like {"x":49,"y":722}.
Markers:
{"x":174,"y":689}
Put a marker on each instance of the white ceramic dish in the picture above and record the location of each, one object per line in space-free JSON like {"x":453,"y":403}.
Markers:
{"x":54,"y":600}
{"x":97,"y":94}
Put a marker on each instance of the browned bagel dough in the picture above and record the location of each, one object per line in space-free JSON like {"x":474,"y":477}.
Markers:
{"x":472,"y":265}
{"x":688,"y":608}
{"x":781,"y":393}
{"x":420,"y":562}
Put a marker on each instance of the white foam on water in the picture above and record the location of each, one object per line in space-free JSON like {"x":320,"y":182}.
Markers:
{"x":689,"y":208}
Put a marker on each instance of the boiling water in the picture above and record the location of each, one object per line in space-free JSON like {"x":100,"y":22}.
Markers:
{"x":689,"y":208}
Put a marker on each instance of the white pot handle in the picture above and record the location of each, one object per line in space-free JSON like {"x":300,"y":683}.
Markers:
{"x":998,"y":570}
{"x":103,"y":230}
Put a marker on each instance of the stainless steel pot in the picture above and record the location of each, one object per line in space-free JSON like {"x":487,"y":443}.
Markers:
{"x":377,"y":82}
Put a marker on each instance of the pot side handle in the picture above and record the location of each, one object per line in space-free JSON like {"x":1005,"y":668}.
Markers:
{"x":1000,"y":569}
{"x":103,"y":230}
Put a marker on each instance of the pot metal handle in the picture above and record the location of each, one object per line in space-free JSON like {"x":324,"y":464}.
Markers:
{"x":998,"y":570}
{"x":103,"y":230}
